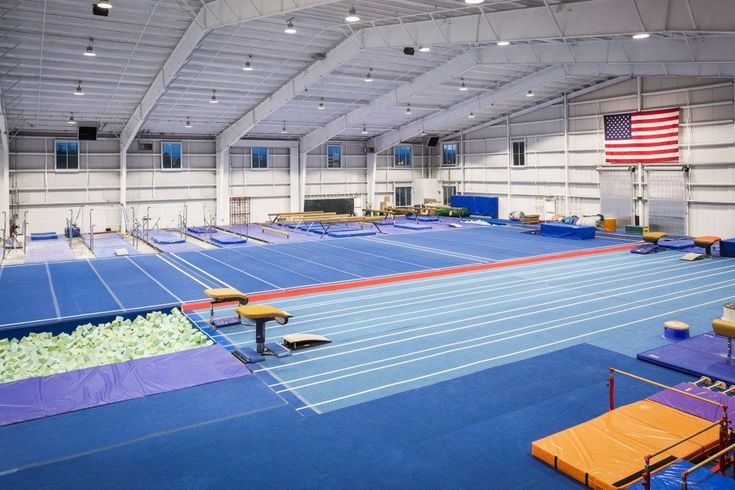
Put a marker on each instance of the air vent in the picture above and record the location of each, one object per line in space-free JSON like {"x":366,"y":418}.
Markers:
{"x":318,"y":56}
{"x":145,"y":146}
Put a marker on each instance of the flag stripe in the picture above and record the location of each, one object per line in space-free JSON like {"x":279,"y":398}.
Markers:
{"x":669,"y":159}
{"x":655,"y":111}
{"x":642,"y":137}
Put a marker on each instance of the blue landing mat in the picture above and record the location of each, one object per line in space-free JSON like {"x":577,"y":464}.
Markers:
{"x":703,"y":479}
{"x":412,"y":226}
{"x":47,"y":235}
{"x":349,"y":233}
{"x":166,"y":238}
{"x":224,"y":239}
{"x":702,"y":355}
{"x":470,"y":432}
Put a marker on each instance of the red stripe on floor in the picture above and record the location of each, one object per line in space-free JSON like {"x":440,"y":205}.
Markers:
{"x":435,"y":273}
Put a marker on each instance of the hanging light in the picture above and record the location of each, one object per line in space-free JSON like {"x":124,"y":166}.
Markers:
{"x":321,"y":104}
{"x":71,"y":119}
{"x":408,"y":109}
{"x":641,"y":35}
{"x":90,"y":48}
{"x":352,"y":16}
{"x":424,"y":49}
{"x":104,"y":5}
{"x":530,"y":93}
{"x":473,"y":2}
{"x":471,"y":115}
{"x":423,"y":132}
{"x":248,"y":66}
{"x":188,"y":123}
{"x":78,"y":90}
{"x":364,"y":130}
{"x":369,"y":76}
{"x":503,"y":43}
{"x":463,"y":87}
{"x":290,"y":29}
{"x":213,"y":99}
{"x":283,"y":129}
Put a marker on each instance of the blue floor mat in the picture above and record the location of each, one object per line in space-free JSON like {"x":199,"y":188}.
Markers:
{"x":432,"y":437}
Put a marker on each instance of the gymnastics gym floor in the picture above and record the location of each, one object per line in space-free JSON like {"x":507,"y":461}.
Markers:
{"x":439,"y":377}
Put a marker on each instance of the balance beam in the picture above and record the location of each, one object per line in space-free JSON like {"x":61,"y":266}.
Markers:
{"x":267,"y":229}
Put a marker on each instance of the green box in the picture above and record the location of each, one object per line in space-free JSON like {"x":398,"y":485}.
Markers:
{"x":636,"y":230}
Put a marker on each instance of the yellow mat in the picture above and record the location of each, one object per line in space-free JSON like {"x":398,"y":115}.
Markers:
{"x":607,"y":452}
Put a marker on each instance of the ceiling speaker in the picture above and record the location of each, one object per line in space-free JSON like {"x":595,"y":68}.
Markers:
{"x":409,"y":51}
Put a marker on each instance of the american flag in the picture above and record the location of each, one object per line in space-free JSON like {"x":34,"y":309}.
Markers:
{"x":642,"y":137}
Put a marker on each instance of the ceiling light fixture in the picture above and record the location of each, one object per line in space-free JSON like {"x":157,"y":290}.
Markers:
{"x":352,"y":16}
{"x":364,"y":130}
{"x":213,"y":99}
{"x":473,"y":2}
{"x":248,"y":66}
{"x":283,"y":129}
{"x":503,"y":43}
{"x":408,"y":109}
{"x":423,"y":132}
{"x":424,"y":49}
{"x":71,"y":119}
{"x":321,"y":104}
{"x":530,"y":93}
{"x":290,"y":29}
{"x":104,"y":5}
{"x":463,"y":87}
{"x":78,"y":90}
{"x":188,"y":123}
{"x":369,"y":76}
{"x":641,"y":35}
{"x":90,"y":48}
{"x":471,"y":115}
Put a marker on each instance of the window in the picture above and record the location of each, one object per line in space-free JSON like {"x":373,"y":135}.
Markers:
{"x":67,"y":155}
{"x":447,"y":192}
{"x":403,"y":196}
{"x":449,"y":154}
{"x":334,"y":156}
{"x":402,"y":156}
{"x":170,"y":155}
{"x":519,"y":153}
{"x":259,"y":157}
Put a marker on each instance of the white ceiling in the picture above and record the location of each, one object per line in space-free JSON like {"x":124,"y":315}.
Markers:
{"x":41,"y":62}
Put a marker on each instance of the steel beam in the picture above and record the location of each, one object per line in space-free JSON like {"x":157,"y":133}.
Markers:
{"x":212,"y":15}
{"x":511,"y":89}
{"x":574,"y":21}
{"x":438,"y":75}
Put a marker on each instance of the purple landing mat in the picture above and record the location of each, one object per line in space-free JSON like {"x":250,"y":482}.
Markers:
{"x":695,"y":407}
{"x":35,"y":398}
{"x":702,"y":355}
{"x":48,"y":251}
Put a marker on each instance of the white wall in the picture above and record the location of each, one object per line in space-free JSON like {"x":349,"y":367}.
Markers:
{"x":706,"y":145}
{"x":47,"y":194}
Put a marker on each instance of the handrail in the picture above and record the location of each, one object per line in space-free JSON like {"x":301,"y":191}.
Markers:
{"x":687,"y":472}
{"x":722,"y":423}
{"x":684,"y":439}
{"x":666,"y":387}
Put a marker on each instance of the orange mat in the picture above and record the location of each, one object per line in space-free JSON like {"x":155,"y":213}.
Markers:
{"x":607,"y":452}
